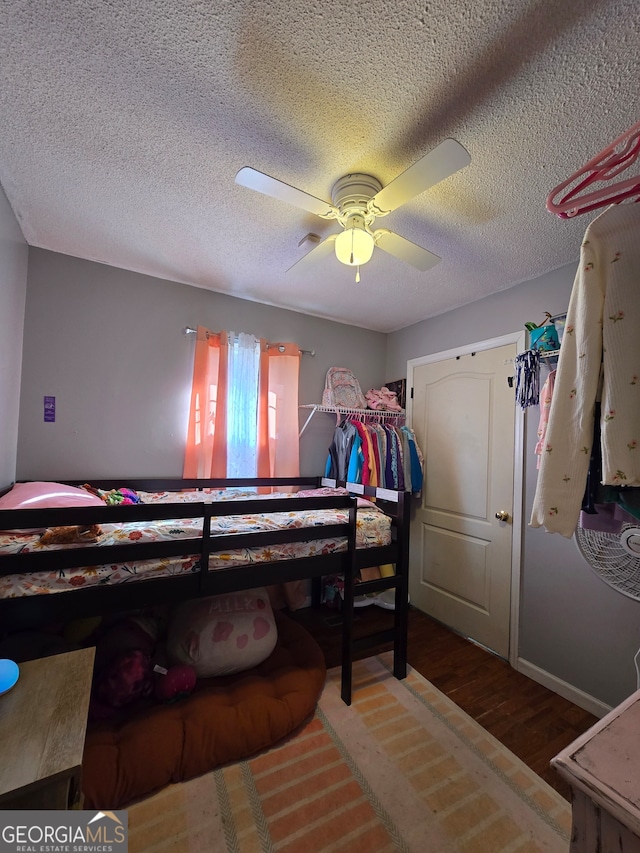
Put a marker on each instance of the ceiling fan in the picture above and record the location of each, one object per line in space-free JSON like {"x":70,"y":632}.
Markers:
{"x":358,"y":200}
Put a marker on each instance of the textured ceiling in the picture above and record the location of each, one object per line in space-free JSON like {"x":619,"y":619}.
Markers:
{"x":123,"y":124}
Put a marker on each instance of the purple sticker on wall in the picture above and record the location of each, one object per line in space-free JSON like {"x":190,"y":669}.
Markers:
{"x":49,"y":409}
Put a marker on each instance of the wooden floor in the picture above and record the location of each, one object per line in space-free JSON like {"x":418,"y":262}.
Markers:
{"x":533,"y":722}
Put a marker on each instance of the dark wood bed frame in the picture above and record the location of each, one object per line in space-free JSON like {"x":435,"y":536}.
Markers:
{"x":35,"y":610}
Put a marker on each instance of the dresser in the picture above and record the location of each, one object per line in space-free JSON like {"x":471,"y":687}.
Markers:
{"x":43,"y":722}
{"x":602,"y":767}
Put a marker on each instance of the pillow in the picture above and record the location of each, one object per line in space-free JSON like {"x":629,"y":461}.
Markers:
{"x":39,"y":495}
{"x":47,"y":495}
{"x":223,"y":634}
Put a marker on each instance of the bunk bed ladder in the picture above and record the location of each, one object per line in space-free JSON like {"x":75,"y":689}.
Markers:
{"x":400,"y":582}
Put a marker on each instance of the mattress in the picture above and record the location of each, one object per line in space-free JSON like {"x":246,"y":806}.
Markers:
{"x":373,"y":529}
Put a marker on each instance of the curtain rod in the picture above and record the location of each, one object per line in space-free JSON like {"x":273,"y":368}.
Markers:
{"x":189,"y":331}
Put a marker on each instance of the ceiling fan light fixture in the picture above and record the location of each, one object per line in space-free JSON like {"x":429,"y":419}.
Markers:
{"x":357,"y":200}
{"x":354,"y":246}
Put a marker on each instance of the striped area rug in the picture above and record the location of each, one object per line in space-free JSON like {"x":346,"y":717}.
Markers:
{"x":403,"y":768}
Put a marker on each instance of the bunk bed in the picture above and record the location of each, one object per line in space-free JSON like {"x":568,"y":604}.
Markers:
{"x":197,"y":563}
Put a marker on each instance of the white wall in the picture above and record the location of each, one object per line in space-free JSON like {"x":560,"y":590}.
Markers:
{"x":572,"y":625}
{"x":13,"y":288}
{"x":108,"y":344}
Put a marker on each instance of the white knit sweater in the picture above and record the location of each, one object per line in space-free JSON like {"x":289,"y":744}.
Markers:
{"x":602,"y":329}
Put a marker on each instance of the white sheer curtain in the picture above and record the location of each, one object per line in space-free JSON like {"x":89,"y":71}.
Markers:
{"x":242,"y":408}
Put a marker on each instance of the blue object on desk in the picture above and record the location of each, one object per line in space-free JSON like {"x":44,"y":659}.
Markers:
{"x":9,"y":674}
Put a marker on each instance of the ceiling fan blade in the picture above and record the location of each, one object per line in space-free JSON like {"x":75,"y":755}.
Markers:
{"x":405,"y":250}
{"x":258,"y":181}
{"x":443,"y":161}
{"x":321,"y":251}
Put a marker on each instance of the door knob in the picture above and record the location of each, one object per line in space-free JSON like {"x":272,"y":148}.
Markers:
{"x":502,"y":515}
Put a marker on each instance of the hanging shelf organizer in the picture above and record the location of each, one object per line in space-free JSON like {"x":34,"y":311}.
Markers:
{"x":339,"y":412}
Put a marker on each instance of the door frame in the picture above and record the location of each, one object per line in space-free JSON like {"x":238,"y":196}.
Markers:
{"x":519,"y":339}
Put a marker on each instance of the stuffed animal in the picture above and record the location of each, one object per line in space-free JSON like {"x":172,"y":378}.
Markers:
{"x":174,"y":683}
{"x":114,"y":497}
{"x":122,"y":667}
{"x":127,"y":668}
{"x":121,"y":496}
{"x":124,"y":635}
{"x":127,"y":678}
{"x":75,"y":534}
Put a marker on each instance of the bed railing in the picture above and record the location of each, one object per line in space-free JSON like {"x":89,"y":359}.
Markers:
{"x":36,"y":610}
{"x":32,"y":609}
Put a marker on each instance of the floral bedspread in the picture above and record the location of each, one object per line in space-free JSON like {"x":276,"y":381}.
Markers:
{"x":373,"y":528}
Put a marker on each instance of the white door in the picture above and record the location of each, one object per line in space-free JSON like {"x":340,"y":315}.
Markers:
{"x":463,"y":414}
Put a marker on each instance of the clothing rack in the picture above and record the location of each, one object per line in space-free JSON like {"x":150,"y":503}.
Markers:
{"x":188,"y":330}
{"x":605,"y":166}
{"x":375,"y":415}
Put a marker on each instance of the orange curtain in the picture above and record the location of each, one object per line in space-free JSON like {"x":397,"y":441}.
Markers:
{"x":278,"y":442}
{"x":278,"y":445}
{"x":206,"y":451}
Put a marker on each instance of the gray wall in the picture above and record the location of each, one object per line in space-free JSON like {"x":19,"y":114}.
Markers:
{"x":108,"y":344}
{"x":13,"y":289}
{"x":572,"y":624}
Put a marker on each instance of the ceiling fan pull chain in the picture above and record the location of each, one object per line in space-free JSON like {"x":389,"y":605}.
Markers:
{"x":358,"y":273}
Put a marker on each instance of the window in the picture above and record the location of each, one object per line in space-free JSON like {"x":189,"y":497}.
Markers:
{"x":242,"y":406}
{"x":243,"y":419}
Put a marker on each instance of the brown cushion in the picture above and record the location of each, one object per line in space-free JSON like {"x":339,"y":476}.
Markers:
{"x":226,"y":719}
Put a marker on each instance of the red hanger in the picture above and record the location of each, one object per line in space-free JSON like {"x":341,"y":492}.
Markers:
{"x":609,"y":163}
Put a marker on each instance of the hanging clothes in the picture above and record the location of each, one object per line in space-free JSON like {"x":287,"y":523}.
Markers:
{"x":376,"y":454}
{"x":601,"y":332}
{"x":369,"y":472}
{"x":417,"y":462}
{"x":340,"y":450}
{"x":380,"y":454}
{"x":546,"y":395}
{"x":381,"y":441}
{"x":356,"y":461}
{"x":393,"y":455}
{"x":527,"y":366}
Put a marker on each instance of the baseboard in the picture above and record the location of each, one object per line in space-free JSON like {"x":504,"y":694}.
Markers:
{"x":562,"y":688}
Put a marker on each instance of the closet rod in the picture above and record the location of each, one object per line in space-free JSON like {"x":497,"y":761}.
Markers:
{"x":189,"y":331}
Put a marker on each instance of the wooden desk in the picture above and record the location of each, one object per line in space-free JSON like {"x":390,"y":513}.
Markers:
{"x":603,"y":768}
{"x":43,"y":721}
